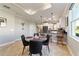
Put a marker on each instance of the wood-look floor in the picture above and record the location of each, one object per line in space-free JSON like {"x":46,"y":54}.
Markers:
{"x":15,"y":49}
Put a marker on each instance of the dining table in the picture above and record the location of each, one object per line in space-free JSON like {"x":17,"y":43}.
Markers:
{"x":41,"y":38}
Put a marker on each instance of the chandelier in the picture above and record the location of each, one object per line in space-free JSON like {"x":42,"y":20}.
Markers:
{"x":49,"y":20}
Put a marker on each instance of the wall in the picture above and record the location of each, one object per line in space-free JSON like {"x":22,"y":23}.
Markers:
{"x":13,"y":30}
{"x":29,"y":28}
{"x":62,"y":22}
{"x":5,"y":32}
{"x":73,"y":42}
{"x":73,"y":46}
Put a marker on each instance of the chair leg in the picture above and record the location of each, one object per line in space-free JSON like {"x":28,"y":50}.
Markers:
{"x":30,"y":54}
{"x":48,"y":48}
{"x":40,"y":53}
{"x":23,"y":50}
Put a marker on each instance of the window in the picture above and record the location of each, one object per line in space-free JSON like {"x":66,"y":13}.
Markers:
{"x":75,"y":28}
{"x":74,"y":21}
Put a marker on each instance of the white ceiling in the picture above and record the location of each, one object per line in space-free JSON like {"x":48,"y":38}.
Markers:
{"x":57,"y":9}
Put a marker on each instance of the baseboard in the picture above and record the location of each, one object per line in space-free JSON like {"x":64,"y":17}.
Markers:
{"x":8,"y":43}
{"x":70,"y":50}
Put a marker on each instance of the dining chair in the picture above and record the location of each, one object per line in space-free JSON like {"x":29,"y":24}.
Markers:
{"x":25,"y":43}
{"x":35,"y":47}
{"x":46,"y":42}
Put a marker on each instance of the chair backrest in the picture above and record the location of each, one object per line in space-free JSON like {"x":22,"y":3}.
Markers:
{"x":35,"y":47}
{"x":48,"y":38}
{"x":36,"y":34}
{"x":23,"y":40}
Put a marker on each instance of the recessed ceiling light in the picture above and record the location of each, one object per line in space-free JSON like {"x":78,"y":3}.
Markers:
{"x":30,"y":12}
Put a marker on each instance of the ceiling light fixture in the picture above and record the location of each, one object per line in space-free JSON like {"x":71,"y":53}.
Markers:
{"x":52,"y":19}
{"x":44,"y":7}
{"x":47,"y":6}
{"x":30,"y":12}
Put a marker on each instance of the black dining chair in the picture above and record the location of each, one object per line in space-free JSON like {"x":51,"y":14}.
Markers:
{"x":25,"y":43}
{"x":35,"y":47}
{"x":46,"y":42}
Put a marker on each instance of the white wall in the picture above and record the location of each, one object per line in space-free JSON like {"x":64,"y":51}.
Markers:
{"x":5,"y":32}
{"x":29,"y":28}
{"x":73,"y":43}
{"x":73,"y":46}
{"x":32,"y":29}
{"x":13,"y":30}
{"x":62,"y":22}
